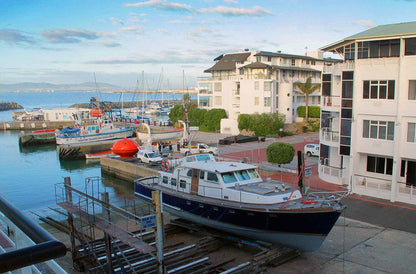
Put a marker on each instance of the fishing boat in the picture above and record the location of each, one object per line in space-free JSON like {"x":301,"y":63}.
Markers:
{"x":92,"y":131}
{"x":37,"y":137}
{"x":98,"y":155}
{"x":231,"y":196}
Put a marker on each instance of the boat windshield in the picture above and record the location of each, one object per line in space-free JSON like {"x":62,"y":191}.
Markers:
{"x":152,"y":155}
{"x":228,"y":177}
{"x":253,"y":173}
{"x":242,"y":175}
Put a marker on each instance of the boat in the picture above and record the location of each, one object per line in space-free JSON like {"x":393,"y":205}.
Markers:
{"x":152,"y":108}
{"x":98,"y":155}
{"x":37,"y":137}
{"x":92,"y":131}
{"x":231,"y":196}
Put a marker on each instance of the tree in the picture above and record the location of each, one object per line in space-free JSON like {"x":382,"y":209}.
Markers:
{"x":177,"y":113}
{"x":212,"y":119}
{"x":307,"y":88}
{"x":280,"y":153}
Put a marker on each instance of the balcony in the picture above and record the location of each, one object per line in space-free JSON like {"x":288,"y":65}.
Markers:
{"x":330,"y":173}
{"x":24,"y":245}
{"x":331,"y":103}
{"x":329,"y":137}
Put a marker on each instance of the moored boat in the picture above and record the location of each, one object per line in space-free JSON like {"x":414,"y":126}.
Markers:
{"x":98,"y":155}
{"x":92,"y":131}
{"x":231,"y":196}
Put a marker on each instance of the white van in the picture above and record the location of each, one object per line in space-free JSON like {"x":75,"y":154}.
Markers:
{"x":311,"y":150}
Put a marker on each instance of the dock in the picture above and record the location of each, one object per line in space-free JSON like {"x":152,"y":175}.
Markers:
{"x":33,"y":125}
{"x":127,"y":169}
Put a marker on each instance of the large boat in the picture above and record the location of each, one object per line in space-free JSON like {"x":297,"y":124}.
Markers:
{"x":92,"y":131}
{"x":231,"y":196}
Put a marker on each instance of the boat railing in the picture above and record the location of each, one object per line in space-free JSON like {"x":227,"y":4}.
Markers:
{"x":327,"y":196}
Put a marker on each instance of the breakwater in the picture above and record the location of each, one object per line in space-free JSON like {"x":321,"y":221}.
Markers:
{"x":32,"y":125}
{"x":9,"y":106}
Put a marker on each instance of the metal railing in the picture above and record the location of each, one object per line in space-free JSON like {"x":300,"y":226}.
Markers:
{"x":331,"y":101}
{"x":329,"y":136}
{"x":332,"y":171}
{"x":46,"y":246}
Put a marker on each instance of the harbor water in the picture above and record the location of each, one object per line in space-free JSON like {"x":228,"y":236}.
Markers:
{"x":28,"y":175}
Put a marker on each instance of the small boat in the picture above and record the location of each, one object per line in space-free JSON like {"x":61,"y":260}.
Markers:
{"x":51,"y":130}
{"x":98,"y":155}
{"x":231,"y":196}
{"x":152,"y":109}
{"x":92,"y":131}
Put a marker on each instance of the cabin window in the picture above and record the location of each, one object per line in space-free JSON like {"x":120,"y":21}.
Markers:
{"x":212,"y":177}
{"x":228,"y":177}
{"x":173,"y":182}
{"x":242,"y":175}
{"x":189,"y":173}
{"x":202,"y":175}
{"x":165,"y":179}
{"x":182,"y":184}
{"x":253,"y":173}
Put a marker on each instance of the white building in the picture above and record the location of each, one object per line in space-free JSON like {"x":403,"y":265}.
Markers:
{"x":368,"y":118}
{"x":65,"y":114}
{"x":258,"y":82}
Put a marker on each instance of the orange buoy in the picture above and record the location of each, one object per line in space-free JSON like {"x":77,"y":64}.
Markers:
{"x":126,"y":148}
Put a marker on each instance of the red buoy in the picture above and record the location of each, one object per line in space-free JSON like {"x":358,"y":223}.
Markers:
{"x":126,"y":148}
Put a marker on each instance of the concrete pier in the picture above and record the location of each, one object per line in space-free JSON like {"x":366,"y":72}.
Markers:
{"x":126,"y":169}
{"x":33,"y":125}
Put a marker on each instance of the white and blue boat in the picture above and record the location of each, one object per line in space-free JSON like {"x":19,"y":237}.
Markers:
{"x":92,"y":131}
{"x":231,"y":196}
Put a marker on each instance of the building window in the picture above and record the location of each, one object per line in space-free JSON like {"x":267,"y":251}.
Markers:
{"x":267,"y":86}
{"x":256,"y":85}
{"x":380,"y":165}
{"x":218,"y":87}
{"x":411,"y":132}
{"x":412,"y":90}
{"x":313,"y":62}
{"x":349,"y":52}
{"x":363,"y":49}
{"x":267,"y":101}
{"x":258,"y":58}
{"x":256,"y":101}
{"x":241,"y":71}
{"x":293,"y":62}
{"x":218,"y":100}
{"x":378,"y":130}
{"x":410,"y":46}
{"x":269,"y":59}
{"x":326,"y":84}
{"x":379,"y":89}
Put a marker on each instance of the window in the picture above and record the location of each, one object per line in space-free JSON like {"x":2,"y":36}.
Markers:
{"x":412,"y":90}
{"x":378,"y":130}
{"x":228,"y":177}
{"x":218,"y":100}
{"x":258,"y":58}
{"x":202,"y":175}
{"x":253,"y":173}
{"x":267,"y":101}
{"x":380,"y":165}
{"x":182,"y":184}
{"x":411,"y":132}
{"x":293,"y":61}
{"x":379,"y":89}
{"x":410,"y":46}
{"x":242,"y":175}
{"x":165,"y":180}
{"x":267,"y":86}
{"x":173,"y":181}
{"x":256,"y":85}
{"x":349,"y":52}
{"x":189,"y":173}
{"x":384,"y":48}
{"x":363,"y":49}
{"x":326,"y":84}
{"x":256,"y":101}
{"x":269,"y":59}
{"x":212,"y":177}
{"x":241,"y":71}
{"x":218,"y":87}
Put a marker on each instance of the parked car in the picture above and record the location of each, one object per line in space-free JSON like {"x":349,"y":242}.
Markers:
{"x":311,"y":150}
{"x":200,"y":148}
{"x":150,"y":157}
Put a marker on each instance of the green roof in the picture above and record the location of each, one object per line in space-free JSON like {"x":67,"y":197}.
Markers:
{"x":391,"y":30}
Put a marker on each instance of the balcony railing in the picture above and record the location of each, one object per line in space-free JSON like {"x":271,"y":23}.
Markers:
{"x":39,"y":247}
{"x":331,"y":101}
{"x":329,"y":136}
{"x":332,"y":171}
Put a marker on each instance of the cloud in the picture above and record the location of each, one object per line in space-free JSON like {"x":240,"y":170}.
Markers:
{"x":116,"y":21}
{"x":13,"y":36}
{"x":161,"y":4}
{"x":132,"y":29}
{"x":364,"y":23}
{"x":231,"y":1}
{"x":228,"y":11}
{"x":184,"y":22}
{"x":110,"y":44}
{"x":168,"y":57}
{"x":70,"y":36}
{"x":204,"y":32}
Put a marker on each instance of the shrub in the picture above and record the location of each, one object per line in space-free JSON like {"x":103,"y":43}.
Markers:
{"x":314,"y":111}
{"x":245,"y":121}
{"x":264,"y":124}
{"x":213,"y":118}
{"x":197,"y":116}
{"x":177,"y":113}
{"x":280,"y":153}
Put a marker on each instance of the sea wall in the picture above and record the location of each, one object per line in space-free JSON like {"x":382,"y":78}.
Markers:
{"x":125,"y":169}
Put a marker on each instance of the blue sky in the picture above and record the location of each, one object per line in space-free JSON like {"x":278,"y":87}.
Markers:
{"x":66,"y":41}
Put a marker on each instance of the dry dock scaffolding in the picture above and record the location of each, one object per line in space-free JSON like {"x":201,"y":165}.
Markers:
{"x":107,"y":238}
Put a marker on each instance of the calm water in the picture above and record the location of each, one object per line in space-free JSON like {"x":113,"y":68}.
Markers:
{"x":28,"y":175}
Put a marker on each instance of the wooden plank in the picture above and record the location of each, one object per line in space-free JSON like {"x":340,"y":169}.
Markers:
{"x":109,"y":228}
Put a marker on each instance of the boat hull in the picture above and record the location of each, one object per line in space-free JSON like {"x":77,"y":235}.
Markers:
{"x":94,"y":137}
{"x":304,"y":230}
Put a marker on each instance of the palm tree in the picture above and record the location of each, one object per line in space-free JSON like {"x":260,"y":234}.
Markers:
{"x":307,"y":88}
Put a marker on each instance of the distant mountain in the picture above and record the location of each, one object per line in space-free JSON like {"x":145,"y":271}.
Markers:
{"x":38,"y":87}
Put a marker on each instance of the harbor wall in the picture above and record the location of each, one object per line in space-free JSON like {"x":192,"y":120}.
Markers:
{"x":125,"y":169}
{"x":33,"y":125}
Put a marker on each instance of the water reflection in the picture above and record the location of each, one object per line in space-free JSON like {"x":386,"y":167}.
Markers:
{"x":71,"y":165}
{"x":37,"y":148}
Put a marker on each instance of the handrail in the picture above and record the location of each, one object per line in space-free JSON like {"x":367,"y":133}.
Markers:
{"x":46,"y":246}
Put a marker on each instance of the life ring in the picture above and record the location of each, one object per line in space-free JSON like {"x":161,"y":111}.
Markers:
{"x":97,"y":131}
{"x":308,"y":202}
{"x":165,"y":164}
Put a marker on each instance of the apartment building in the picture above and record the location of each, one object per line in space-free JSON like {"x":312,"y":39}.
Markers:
{"x":258,"y":82}
{"x":368,"y":118}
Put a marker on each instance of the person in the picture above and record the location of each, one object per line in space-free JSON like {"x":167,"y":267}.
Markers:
{"x":170,"y":145}
{"x":178,"y":146}
{"x":159,"y":147}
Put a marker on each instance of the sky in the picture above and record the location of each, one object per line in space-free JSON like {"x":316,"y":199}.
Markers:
{"x":68,"y":41}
